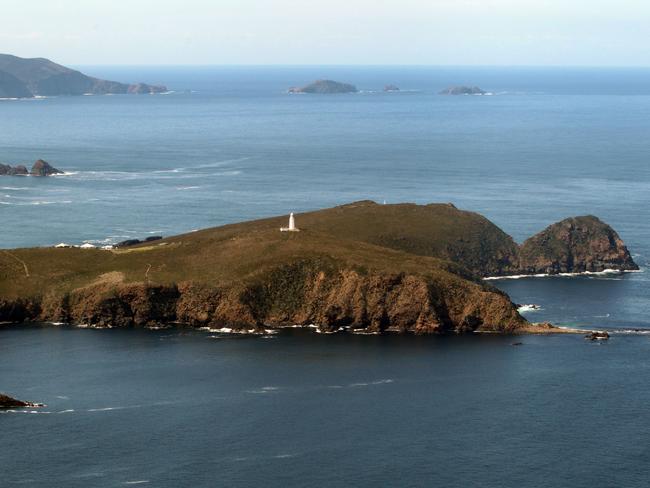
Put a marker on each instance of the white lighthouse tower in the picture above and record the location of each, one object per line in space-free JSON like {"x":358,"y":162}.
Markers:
{"x":292,"y":225}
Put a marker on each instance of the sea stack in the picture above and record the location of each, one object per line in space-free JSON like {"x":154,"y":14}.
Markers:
{"x":43,"y":168}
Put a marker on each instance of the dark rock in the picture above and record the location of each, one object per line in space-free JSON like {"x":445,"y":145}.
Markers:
{"x":597,"y":336}
{"x":153,"y":238}
{"x":517,"y":344}
{"x":43,"y":168}
{"x":463,"y":90}
{"x":20,"y":170}
{"x":7,"y":170}
{"x":575,"y":245}
{"x":8,"y":402}
{"x":128,"y":242}
{"x":391,"y":88}
{"x":325,"y":87}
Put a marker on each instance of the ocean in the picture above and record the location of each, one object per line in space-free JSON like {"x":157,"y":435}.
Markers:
{"x":178,"y":408}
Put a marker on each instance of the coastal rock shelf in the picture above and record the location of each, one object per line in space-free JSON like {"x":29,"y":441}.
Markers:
{"x":363,"y":266}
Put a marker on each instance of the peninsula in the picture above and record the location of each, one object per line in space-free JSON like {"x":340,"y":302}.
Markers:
{"x":31,"y":77}
{"x":361,"y":267}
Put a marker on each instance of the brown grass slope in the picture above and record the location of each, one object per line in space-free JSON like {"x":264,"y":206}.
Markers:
{"x":251,"y":275}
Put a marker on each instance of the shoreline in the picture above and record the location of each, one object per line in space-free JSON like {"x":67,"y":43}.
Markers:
{"x":537,"y":329}
{"x":605,"y":272}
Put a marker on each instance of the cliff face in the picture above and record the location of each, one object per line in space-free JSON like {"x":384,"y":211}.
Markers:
{"x":575,"y":245}
{"x":299,"y":293}
{"x":25,"y":78}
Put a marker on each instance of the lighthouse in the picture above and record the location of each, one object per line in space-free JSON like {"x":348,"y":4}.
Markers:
{"x":292,"y":225}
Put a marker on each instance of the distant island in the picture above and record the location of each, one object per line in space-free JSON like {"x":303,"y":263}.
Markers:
{"x":463,"y":90}
{"x":324,"y":87}
{"x":39,"y":168}
{"x":357,"y":268}
{"x":391,"y":88}
{"x":31,"y":77}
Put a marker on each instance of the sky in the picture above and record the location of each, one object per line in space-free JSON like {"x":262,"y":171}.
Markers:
{"x":398,"y":32}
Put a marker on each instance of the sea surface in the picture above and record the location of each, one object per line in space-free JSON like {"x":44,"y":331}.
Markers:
{"x":176,"y":408}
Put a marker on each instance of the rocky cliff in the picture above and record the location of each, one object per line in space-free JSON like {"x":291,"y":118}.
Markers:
{"x":26,"y":78}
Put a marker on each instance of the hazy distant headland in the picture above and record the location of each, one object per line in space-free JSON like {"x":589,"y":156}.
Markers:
{"x":28,"y":78}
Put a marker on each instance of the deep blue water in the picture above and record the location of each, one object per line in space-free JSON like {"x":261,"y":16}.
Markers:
{"x":229,"y":145}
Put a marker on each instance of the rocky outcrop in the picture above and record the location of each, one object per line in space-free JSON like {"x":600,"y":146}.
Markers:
{"x":39,"y":168}
{"x":463,"y":90}
{"x":26,"y":78}
{"x":43,"y":168}
{"x":598,"y":336}
{"x":325,"y":87}
{"x":7,"y":170}
{"x":8,"y":402}
{"x":575,"y":245}
{"x":391,"y":88}
{"x":134,"y":242}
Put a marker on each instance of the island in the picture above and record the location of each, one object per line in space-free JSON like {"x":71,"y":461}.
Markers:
{"x":463,"y":90}
{"x":357,"y":268}
{"x":324,"y":87}
{"x":32,"y":77}
{"x":391,"y":88}
{"x":39,"y":168}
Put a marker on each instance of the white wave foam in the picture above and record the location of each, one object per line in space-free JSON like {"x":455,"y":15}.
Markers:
{"x":529,"y":308}
{"x":264,"y":390}
{"x":181,"y":188}
{"x":136,"y":482}
{"x":604,"y":272}
{"x":371,"y":383}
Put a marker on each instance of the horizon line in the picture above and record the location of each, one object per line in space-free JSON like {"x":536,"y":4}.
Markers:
{"x":362,"y":65}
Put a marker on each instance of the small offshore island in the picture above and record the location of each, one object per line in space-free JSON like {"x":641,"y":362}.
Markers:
{"x":325,"y":87}
{"x":361,"y":268}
